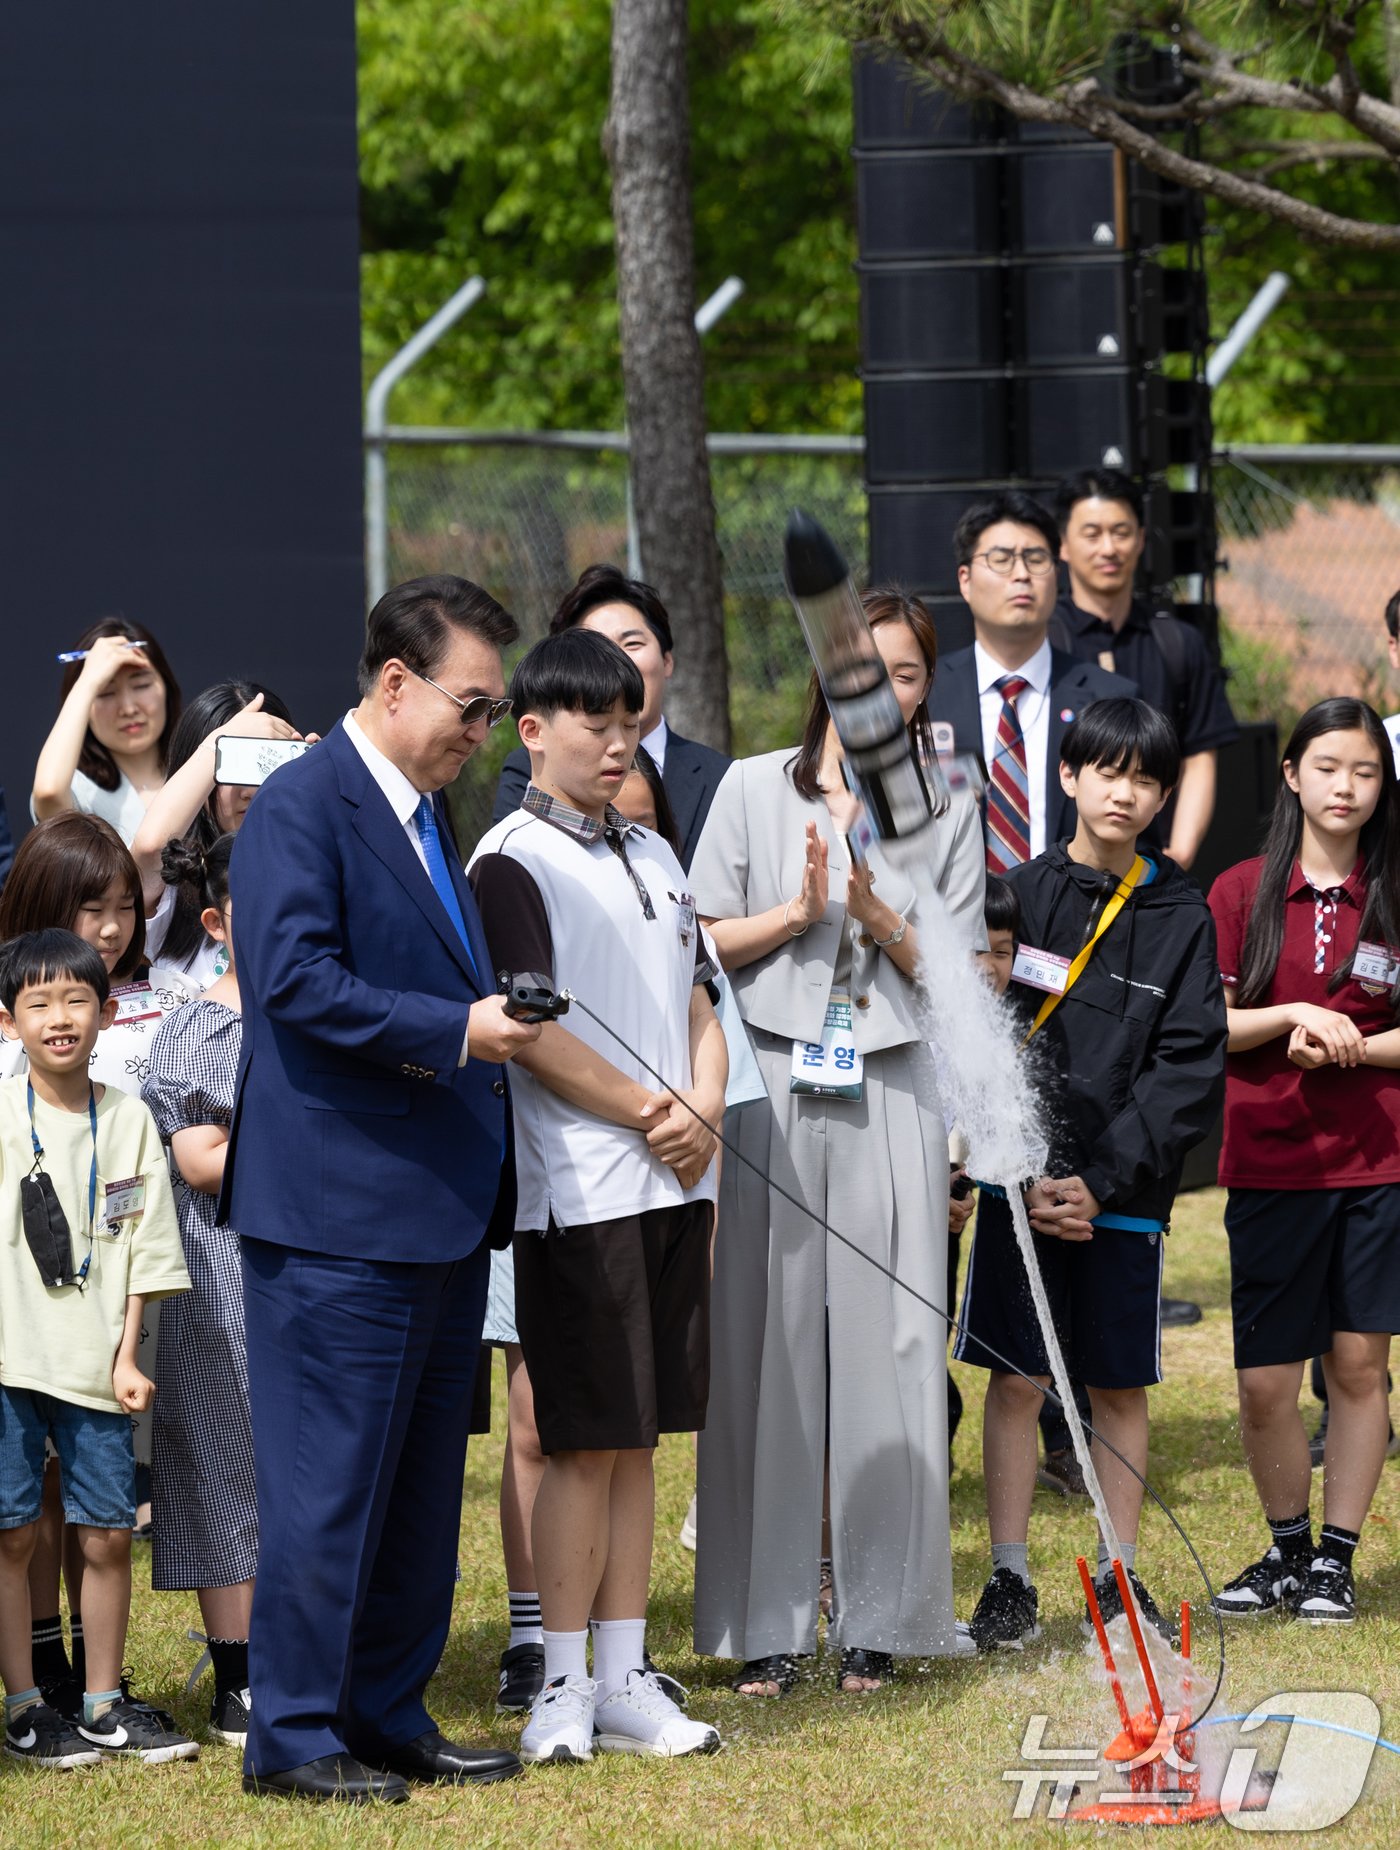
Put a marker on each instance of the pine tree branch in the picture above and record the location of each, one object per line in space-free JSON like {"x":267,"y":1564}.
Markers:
{"x":1084,"y":104}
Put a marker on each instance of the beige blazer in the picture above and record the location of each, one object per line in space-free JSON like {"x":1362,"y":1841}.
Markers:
{"x":750,"y":858}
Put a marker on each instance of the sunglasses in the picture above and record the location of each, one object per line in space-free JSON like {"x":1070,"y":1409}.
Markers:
{"x":478,"y":707}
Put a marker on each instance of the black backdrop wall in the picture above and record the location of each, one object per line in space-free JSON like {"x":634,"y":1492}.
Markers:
{"x":179,"y":339}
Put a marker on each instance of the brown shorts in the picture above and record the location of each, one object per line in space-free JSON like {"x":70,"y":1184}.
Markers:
{"x":614,"y":1320}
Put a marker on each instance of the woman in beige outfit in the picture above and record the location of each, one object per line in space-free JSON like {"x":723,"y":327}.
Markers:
{"x":816,"y":1354}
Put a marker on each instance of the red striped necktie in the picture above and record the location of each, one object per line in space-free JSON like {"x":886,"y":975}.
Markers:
{"x":1008,"y":792}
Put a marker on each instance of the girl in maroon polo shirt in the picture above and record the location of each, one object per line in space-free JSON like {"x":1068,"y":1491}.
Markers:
{"x":1309,"y":937}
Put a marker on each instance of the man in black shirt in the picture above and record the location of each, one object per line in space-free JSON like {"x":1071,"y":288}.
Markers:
{"x":1103,"y":620}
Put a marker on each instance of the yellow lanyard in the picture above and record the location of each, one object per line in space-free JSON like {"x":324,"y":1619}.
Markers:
{"x":1076,"y":969}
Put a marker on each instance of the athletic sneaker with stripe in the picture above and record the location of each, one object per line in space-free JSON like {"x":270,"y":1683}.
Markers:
{"x":1328,"y":1593}
{"x":1270,"y":1584}
{"x":43,"y":1737}
{"x":134,"y":1731}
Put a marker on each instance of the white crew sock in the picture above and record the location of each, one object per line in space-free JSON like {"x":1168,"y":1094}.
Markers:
{"x":565,"y":1654}
{"x":618,"y":1647}
{"x":526,"y":1625}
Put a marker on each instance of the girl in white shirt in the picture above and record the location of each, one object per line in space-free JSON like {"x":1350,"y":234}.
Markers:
{"x":193,"y":811}
{"x":107,"y":752}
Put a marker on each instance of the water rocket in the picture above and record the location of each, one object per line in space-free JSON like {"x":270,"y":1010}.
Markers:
{"x":882,"y":766}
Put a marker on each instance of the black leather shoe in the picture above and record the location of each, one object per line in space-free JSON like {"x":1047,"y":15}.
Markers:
{"x":437,"y":1761}
{"x":1178,"y":1312}
{"x":333,"y":1776}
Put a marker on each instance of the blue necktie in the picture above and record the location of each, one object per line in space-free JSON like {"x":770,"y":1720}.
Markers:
{"x":426,"y":824}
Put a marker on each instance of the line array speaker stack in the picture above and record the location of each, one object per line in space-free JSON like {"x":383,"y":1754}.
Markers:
{"x":1032,"y":303}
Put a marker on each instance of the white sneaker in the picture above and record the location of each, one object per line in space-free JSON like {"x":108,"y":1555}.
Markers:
{"x":687,"y":1536}
{"x":641,"y":1719}
{"x":560,"y":1727}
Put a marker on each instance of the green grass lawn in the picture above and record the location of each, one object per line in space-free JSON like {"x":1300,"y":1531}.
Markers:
{"x":919,"y":1763}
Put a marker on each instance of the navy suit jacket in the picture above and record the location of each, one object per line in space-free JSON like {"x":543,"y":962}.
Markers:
{"x":354,"y":1131}
{"x":691,"y":774}
{"x":1073,"y":685}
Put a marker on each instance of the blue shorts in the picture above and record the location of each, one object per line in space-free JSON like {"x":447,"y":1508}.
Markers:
{"x":1105,"y":1296}
{"x":96,"y":1459}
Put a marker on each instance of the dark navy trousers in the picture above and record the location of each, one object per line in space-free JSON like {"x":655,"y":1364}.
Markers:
{"x":360,"y":1374}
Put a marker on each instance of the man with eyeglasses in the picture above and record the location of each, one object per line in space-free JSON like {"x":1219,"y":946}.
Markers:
{"x":1011,"y":696}
{"x":370,"y":1167}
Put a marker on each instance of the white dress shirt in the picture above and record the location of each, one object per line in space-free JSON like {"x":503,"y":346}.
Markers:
{"x":1392,"y":727}
{"x":401,"y":797}
{"x":1033,"y":711}
{"x":655,"y":742}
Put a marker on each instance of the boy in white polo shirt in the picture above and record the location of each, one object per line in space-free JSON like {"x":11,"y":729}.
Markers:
{"x":616,"y":1185}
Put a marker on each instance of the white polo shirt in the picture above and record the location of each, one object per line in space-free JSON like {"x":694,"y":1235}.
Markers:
{"x":569,"y":909}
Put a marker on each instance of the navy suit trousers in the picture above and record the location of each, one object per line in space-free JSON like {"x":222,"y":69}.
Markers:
{"x":360,"y":1375}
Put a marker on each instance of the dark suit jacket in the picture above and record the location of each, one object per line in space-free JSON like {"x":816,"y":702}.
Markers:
{"x":354,"y":1131}
{"x":1073,"y":685}
{"x":691,"y":775}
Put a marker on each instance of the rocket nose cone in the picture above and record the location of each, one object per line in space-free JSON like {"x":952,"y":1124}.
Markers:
{"x":812,"y":562}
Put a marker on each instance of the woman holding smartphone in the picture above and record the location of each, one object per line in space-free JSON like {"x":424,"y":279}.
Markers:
{"x":107,"y":752}
{"x":195,"y":809}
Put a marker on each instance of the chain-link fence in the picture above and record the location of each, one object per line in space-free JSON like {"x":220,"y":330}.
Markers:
{"x":525,"y":521}
{"x":1311,"y":537}
{"x":1311,"y":540}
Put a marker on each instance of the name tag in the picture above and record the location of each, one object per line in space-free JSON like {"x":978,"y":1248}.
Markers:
{"x":135,"y":1002}
{"x":685,"y":908}
{"x":123,"y":1200}
{"x":1375,"y":964}
{"x":1040,"y":970}
{"x":830,"y":1067}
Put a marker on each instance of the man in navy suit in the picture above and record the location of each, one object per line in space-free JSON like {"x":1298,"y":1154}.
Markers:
{"x":369,"y":1150}
{"x":1007,"y":547}
{"x":631,"y":614}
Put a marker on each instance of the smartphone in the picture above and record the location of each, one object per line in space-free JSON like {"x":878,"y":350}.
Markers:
{"x":250,"y":761}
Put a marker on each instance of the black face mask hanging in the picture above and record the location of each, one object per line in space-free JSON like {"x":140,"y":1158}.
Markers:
{"x":46,"y":1229}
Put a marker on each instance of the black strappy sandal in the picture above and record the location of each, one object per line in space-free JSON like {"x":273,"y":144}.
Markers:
{"x":780,"y":1668}
{"x":856,"y":1662}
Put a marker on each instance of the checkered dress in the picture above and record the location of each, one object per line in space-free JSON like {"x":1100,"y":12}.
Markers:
{"x":203,"y":1506}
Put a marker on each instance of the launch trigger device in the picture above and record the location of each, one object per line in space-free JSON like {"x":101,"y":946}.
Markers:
{"x":530,"y":998}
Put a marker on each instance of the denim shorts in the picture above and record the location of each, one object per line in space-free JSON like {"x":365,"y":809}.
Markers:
{"x":96,"y":1459}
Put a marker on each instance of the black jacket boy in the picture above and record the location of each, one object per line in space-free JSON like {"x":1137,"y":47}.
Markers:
{"x":1131,"y":1063}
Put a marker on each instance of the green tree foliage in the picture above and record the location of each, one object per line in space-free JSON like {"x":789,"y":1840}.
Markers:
{"x":480,"y":136}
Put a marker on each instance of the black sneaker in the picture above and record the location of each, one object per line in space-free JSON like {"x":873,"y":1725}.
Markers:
{"x":1327,"y":1595}
{"x":135,"y":1731}
{"x":1005,"y":1619}
{"x":64,"y":1695}
{"x":1111,"y":1606}
{"x":43,"y":1737}
{"x":1269,"y":1585}
{"x":522,"y":1678}
{"x":228,"y":1717}
{"x":1061,"y":1472}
